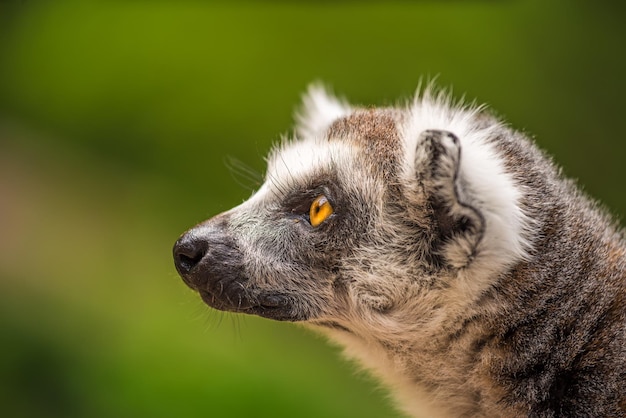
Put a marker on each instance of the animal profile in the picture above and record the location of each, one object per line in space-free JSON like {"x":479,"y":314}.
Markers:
{"x":441,"y":248}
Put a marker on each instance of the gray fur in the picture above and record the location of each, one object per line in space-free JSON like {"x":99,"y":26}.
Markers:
{"x":458,"y":264}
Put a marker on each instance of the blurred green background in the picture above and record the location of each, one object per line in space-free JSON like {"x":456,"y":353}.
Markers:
{"x":115,"y":121}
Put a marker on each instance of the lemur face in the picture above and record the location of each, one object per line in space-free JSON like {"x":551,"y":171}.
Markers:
{"x":283,"y":253}
{"x":367,"y":214}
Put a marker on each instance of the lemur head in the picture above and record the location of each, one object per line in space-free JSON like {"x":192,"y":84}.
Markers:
{"x":366,"y":214}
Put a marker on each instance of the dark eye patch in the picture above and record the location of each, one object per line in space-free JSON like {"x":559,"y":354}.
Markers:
{"x":299,"y":203}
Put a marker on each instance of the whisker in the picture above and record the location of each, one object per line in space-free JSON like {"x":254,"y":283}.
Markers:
{"x":287,"y":168}
{"x":244,"y":175}
{"x":278,"y":186}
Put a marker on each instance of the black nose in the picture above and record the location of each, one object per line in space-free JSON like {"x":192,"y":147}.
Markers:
{"x":188,"y":251}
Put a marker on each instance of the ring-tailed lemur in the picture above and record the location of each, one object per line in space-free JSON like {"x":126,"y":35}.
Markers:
{"x":442,"y":248}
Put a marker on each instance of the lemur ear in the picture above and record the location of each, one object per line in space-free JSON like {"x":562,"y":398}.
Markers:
{"x":319,"y":110}
{"x":459,"y":225}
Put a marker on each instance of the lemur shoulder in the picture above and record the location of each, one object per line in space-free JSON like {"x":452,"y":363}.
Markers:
{"x":442,"y":248}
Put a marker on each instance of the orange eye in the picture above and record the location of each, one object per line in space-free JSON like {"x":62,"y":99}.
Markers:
{"x":320,"y":210}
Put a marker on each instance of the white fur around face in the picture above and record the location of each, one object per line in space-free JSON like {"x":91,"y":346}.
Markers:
{"x":482,"y":183}
{"x":293,"y":163}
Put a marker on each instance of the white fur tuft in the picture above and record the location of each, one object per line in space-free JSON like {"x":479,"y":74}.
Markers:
{"x":319,"y":110}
